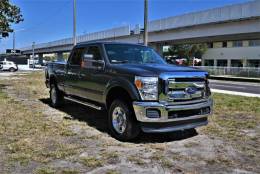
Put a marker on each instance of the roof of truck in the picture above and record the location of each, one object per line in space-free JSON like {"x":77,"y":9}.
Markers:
{"x":105,"y":42}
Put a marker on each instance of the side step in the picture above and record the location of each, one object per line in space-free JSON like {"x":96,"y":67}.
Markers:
{"x":84,"y":103}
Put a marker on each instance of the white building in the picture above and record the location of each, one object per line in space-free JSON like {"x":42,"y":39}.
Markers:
{"x":237,"y":53}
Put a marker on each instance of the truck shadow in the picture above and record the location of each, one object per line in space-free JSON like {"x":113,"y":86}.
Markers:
{"x":98,"y":120}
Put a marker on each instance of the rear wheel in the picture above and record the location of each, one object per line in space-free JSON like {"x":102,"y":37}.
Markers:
{"x":12,"y":70}
{"x":122,"y":123}
{"x":57,"y":98}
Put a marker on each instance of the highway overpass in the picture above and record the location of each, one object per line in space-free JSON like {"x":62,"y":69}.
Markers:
{"x":228,"y":23}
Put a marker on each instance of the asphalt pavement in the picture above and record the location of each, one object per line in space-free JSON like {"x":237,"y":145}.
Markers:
{"x":243,"y":87}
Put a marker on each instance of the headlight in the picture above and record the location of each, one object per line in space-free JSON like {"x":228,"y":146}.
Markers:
{"x":147,"y":87}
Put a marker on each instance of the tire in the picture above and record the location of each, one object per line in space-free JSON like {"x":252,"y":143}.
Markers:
{"x":11,"y":69}
{"x":125,"y":127}
{"x":57,"y":98}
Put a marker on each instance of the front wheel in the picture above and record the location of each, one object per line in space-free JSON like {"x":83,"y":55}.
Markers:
{"x":57,"y":98}
{"x":122,"y":123}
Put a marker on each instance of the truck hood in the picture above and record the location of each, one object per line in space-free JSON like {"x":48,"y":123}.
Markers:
{"x":154,"y":69}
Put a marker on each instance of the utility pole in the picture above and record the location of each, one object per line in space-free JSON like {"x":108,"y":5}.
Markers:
{"x":74,"y":23}
{"x":145,"y":22}
{"x":33,"y":46}
{"x":13,"y":40}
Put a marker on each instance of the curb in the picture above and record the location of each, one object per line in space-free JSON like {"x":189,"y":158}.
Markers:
{"x":240,"y":79}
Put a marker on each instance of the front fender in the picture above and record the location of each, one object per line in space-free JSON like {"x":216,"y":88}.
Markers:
{"x":122,"y":83}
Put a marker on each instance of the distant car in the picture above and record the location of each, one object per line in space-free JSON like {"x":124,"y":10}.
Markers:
{"x":8,"y":66}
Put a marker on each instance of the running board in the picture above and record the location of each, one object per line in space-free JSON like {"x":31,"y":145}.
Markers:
{"x":84,"y":103}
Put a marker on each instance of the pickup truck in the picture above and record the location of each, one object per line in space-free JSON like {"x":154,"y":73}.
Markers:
{"x":133,"y":83}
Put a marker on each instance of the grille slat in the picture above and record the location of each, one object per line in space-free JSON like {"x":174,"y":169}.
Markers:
{"x":186,"y":89}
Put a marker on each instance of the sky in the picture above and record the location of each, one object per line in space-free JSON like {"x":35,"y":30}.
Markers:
{"x":49,"y":20}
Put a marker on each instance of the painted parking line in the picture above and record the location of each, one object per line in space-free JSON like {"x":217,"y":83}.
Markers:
{"x":235,"y":93}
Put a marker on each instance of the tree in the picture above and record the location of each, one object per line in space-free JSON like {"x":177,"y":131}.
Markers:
{"x":9,"y":14}
{"x":188,"y":51}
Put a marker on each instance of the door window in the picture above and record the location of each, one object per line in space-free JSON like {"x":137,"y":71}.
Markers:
{"x":76,"y":56}
{"x":94,"y":50}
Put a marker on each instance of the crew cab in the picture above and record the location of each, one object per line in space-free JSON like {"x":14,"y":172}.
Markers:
{"x":133,"y":83}
{"x":8,"y":66}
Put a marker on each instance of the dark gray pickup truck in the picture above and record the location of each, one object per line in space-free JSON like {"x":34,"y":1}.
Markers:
{"x":135,"y":85}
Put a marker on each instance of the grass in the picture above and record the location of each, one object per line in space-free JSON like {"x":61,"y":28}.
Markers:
{"x":92,"y":162}
{"x":111,"y":171}
{"x":45,"y":170}
{"x":162,"y":160}
{"x":137,"y":160}
{"x":29,"y":136}
{"x":232,"y":115}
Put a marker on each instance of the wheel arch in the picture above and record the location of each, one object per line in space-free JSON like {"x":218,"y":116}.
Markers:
{"x":120,"y":88}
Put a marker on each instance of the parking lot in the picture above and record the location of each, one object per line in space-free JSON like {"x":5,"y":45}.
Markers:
{"x":36,"y":138}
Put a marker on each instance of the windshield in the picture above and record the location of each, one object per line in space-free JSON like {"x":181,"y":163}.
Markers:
{"x":134,"y":54}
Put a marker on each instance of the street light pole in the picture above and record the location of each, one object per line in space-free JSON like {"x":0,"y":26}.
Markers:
{"x":145,"y":22}
{"x":74,"y":23}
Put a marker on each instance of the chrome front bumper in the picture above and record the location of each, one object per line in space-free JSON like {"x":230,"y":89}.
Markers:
{"x":173,"y":124}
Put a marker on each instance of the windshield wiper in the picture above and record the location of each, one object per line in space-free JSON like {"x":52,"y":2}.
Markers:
{"x":119,"y":61}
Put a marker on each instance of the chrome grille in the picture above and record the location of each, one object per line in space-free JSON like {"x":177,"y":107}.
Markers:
{"x":185,"y":89}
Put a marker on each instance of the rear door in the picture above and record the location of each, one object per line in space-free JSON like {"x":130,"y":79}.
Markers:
{"x":72,"y":83}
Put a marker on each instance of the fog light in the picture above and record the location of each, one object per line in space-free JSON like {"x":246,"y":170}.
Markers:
{"x":153,"y":113}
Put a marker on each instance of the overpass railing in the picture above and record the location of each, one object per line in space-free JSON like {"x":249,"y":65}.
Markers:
{"x":216,"y":15}
{"x":249,"y":72}
{"x":110,"y":33}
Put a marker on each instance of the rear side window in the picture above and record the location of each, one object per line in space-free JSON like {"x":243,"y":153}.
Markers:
{"x":76,"y":56}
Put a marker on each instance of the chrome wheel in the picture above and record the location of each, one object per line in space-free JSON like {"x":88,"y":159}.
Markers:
{"x":119,"y":120}
{"x":53,"y":95}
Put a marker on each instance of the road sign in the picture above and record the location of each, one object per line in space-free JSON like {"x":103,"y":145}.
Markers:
{"x":12,"y":51}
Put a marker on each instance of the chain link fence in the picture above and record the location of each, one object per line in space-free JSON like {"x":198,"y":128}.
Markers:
{"x":232,"y":71}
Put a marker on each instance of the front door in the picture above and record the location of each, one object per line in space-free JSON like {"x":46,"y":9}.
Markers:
{"x":92,"y":73}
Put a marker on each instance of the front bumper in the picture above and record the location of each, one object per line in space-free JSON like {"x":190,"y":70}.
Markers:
{"x":172,"y":117}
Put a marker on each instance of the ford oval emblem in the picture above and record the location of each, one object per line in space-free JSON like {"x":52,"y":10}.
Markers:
{"x":191,"y":90}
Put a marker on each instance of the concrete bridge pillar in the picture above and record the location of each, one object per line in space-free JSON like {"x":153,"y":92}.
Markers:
{"x":60,"y":56}
{"x":215,"y":63}
{"x":229,"y":63}
{"x":245,"y":62}
{"x":40,"y":59}
{"x":202,"y":62}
